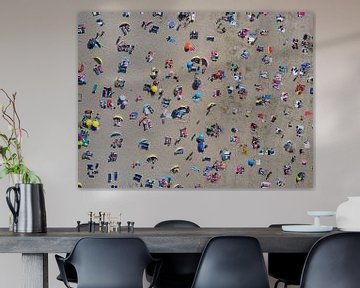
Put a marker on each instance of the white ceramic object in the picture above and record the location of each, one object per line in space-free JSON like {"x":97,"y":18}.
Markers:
{"x":306,"y":228}
{"x":348,"y":215}
{"x":316,"y":227}
{"x":318,"y":214}
{"x":321,"y":213}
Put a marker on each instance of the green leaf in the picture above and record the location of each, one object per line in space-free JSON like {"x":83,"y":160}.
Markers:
{"x":27,"y":175}
{"x":4,"y":173}
{"x":3,"y":151}
{"x":13,"y":156}
{"x":15,"y":169}
{"x":4,"y":137}
{"x":27,"y":133}
{"x":33,"y":177}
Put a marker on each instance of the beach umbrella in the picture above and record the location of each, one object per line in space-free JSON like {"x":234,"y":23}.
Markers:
{"x":196,"y":59}
{"x":183,"y":107}
{"x":175,"y":169}
{"x":152,"y":159}
{"x":197,"y":95}
{"x":204,"y":62}
{"x":144,"y":144}
{"x":153,"y":89}
{"x":188,"y":46}
{"x":211,"y":105}
{"x":115,"y":134}
{"x":88,"y":123}
{"x":124,"y":24}
{"x":200,"y":138}
{"x":179,"y":150}
{"x":95,"y":125}
{"x":118,"y":117}
{"x":142,"y":119}
{"x":144,"y":141}
{"x":98,"y":60}
{"x":189,"y":64}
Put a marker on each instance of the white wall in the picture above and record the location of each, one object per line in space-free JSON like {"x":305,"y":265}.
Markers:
{"x":38,"y":56}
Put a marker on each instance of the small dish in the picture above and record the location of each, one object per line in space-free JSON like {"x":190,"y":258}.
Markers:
{"x":306,"y":228}
{"x":316,"y":227}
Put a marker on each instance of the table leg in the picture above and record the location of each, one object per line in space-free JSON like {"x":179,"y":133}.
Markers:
{"x":35,"y":270}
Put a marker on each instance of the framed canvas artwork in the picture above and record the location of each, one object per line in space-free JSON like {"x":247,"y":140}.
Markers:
{"x":190,"y":100}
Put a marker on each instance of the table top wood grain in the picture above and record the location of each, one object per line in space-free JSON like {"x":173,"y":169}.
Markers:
{"x":158,"y":240}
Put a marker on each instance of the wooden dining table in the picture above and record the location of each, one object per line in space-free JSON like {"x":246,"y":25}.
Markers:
{"x":35,"y":247}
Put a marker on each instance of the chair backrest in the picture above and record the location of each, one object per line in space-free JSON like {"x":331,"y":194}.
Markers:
{"x":110,"y":262}
{"x":177,"y":268}
{"x":176,"y":224}
{"x":333,"y":262}
{"x":232,"y":262}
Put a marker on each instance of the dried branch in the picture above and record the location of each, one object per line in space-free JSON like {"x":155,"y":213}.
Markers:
{"x":11,"y":150}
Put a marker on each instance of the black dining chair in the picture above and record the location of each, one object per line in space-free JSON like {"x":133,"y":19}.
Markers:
{"x":232,"y":262}
{"x":178,"y":269}
{"x":108,"y":263}
{"x":333,"y":262}
{"x":70,"y":271}
{"x":285,"y":267}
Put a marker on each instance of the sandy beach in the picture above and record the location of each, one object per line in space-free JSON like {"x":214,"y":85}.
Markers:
{"x":272,"y":115}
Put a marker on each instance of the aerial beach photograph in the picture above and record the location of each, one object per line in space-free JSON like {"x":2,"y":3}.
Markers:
{"x":195,"y":99}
